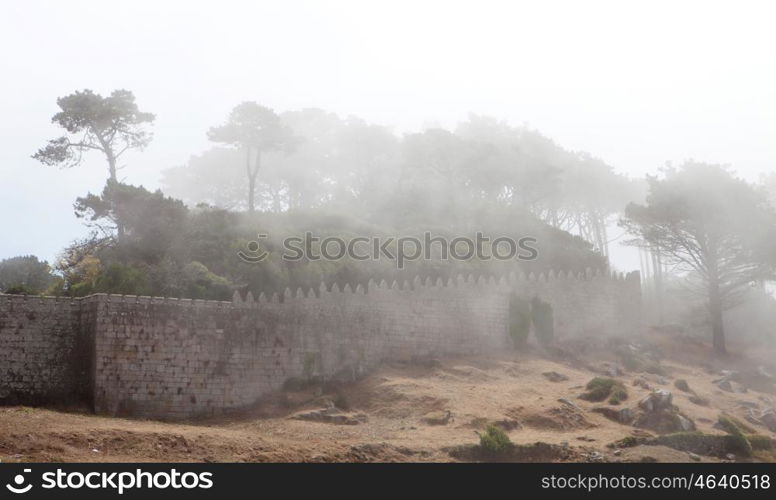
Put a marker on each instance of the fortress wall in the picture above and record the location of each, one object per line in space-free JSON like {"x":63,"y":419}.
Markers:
{"x":170,"y":358}
{"x":181,"y":358}
{"x":44,"y":355}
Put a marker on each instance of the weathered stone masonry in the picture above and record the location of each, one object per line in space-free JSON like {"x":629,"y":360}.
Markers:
{"x":170,"y":358}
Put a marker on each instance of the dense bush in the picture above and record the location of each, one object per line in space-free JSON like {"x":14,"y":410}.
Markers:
{"x":542,"y":319}
{"x":519,"y":320}
{"x":494,"y":441}
{"x":600,"y":388}
{"x":740,"y":443}
{"x":24,"y":275}
{"x":168,"y":249}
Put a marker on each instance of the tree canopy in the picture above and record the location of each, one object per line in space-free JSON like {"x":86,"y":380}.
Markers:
{"x":717,"y":229}
{"x":112,"y":125}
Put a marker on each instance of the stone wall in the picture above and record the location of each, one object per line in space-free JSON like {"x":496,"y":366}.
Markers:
{"x":170,"y":358}
{"x":45,"y":353}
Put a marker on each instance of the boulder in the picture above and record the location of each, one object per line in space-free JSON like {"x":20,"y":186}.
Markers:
{"x":331,"y":415}
{"x":768,"y":418}
{"x":620,"y":415}
{"x":642,"y":382}
{"x":685,"y":423}
{"x":438,"y":417}
{"x":659,"y":399}
{"x":555,"y":376}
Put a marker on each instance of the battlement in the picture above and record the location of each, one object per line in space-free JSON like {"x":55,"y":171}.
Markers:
{"x":175,"y":358}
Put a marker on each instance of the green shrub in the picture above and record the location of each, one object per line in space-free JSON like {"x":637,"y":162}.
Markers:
{"x":310,"y":364}
{"x":654,"y":368}
{"x":618,"y":395}
{"x":740,"y":442}
{"x":542,"y":319}
{"x":494,"y":441}
{"x":600,"y":388}
{"x":628,"y":442}
{"x":630,"y":361}
{"x":519,"y":320}
{"x":743,"y":426}
{"x":125,"y":279}
{"x":711,"y":444}
{"x":760,"y":442}
{"x":20,"y":290}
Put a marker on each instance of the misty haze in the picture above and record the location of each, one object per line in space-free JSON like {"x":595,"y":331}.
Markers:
{"x":387,"y":232}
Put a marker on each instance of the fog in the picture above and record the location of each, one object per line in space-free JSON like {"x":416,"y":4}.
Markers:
{"x":634,"y":87}
{"x":553,"y":222}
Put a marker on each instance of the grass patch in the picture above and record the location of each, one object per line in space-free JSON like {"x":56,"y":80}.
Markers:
{"x":601,"y":388}
{"x":733,"y":421}
{"x":494,"y":441}
{"x":628,"y":442}
{"x":618,"y":395}
{"x":704,"y":444}
{"x":739,"y":441}
{"x":534,"y":452}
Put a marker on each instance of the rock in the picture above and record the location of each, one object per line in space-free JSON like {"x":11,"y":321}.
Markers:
{"x":698,"y":400}
{"x":682,"y":385}
{"x":686,"y":424}
{"x":768,"y":418}
{"x":567,"y":402}
{"x":764,"y":373}
{"x":438,"y":417}
{"x":659,"y":399}
{"x":331,"y":415}
{"x":617,"y":453}
{"x":595,"y":457}
{"x":642,"y":382}
{"x":555,"y":376}
{"x":730,"y":456}
{"x":664,"y":421}
{"x":695,"y":457}
{"x":725,"y":385}
{"x":611,"y":369}
{"x":749,"y":404}
{"x":508,"y":424}
{"x":752,"y":418}
{"x":620,"y":415}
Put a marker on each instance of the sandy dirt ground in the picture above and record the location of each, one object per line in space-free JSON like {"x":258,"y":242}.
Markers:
{"x":414,"y":412}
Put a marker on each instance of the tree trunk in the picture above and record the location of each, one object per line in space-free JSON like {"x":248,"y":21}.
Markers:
{"x":113,"y":183}
{"x":715,"y":311}
{"x":251,"y":194}
{"x":252,"y":174}
{"x":112,"y":167}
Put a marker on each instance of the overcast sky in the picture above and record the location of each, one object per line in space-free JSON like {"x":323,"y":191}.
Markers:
{"x":634,"y":85}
